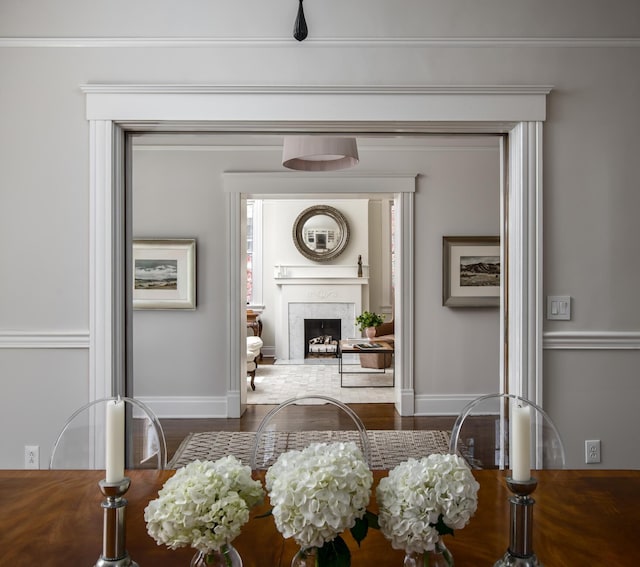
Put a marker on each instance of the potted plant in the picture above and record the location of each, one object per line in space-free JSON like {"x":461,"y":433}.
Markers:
{"x":368,"y":321}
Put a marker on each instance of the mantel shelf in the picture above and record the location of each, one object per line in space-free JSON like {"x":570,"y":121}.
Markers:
{"x":327,"y":280}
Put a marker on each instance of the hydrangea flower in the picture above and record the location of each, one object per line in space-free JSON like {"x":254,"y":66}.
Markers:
{"x":318,"y":492}
{"x":204,"y":505}
{"x":420,"y":500}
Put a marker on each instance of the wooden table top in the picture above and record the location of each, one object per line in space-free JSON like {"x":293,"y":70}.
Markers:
{"x":54,"y":518}
{"x":351,"y":346}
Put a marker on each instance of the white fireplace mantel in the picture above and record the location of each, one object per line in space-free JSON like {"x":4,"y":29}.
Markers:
{"x":292,"y":274}
{"x":315,"y":291}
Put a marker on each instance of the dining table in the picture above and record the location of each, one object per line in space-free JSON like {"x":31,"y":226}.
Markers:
{"x":580,"y":517}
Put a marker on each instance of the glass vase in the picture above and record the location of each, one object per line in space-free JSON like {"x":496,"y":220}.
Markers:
{"x":439,"y":556}
{"x":306,"y":557}
{"x":226,"y":556}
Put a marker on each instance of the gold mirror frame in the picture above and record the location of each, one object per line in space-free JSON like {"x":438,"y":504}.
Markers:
{"x":313,"y":253}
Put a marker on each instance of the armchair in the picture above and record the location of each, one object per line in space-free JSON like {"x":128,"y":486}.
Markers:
{"x":254,"y":346}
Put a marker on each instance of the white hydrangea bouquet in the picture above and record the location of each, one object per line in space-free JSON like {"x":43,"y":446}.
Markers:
{"x":204,"y":505}
{"x":421,"y":500}
{"x":319,"y":492}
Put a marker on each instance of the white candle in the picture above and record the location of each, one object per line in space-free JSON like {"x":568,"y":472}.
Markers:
{"x":115,"y":441}
{"x":521,"y":442}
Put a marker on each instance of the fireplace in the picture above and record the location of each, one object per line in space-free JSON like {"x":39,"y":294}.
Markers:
{"x":315,"y":292}
{"x":321,"y":337}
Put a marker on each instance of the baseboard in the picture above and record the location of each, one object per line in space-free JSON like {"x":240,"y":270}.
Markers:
{"x":185,"y":407}
{"x":442,"y":404}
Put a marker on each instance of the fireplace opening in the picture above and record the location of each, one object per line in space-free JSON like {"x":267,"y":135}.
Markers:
{"x":321,"y":337}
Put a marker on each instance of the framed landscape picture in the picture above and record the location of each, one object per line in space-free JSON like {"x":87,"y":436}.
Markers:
{"x":471,"y":271}
{"x":164,"y":274}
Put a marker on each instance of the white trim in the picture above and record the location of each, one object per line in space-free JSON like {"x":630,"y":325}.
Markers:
{"x":327,"y":42}
{"x":269,"y":183}
{"x":518,"y":110}
{"x":592,"y":340}
{"x":186,"y":406}
{"x":435,"y":404}
{"x":524,"y":261}
{"x":43,"y":339}
{"x":552,"y":340}
{"x":102,"y":350}
{"x":339,"y":105}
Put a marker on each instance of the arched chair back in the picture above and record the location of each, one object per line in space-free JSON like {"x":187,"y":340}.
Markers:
{"x":81,"y":442}
{"x":483,"y":429}
{"x":302,"y":420}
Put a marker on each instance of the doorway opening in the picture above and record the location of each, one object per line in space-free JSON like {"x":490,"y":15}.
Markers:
{"x":517,"y":112}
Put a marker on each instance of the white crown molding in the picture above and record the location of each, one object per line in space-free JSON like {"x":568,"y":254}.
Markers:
{"x":41,"y":339}
{"x":360,"y":90}
{"x":592,"y":340}
{"x":280,"y":42}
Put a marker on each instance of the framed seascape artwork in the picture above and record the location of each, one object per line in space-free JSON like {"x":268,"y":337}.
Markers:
{"x":471,"y":271}
{"x":164,"y":274}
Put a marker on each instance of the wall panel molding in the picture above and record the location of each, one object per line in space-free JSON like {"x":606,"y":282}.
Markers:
{"x":327,"y":42}
{"x":44,"y":339}
{"x":592,"y":340}
{"x":552,"y":340}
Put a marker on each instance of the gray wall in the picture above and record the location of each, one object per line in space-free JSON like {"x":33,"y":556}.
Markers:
{"x":591,"y":195}
{"x":178,"y":193}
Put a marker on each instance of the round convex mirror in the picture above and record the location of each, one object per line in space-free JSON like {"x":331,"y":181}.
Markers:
{"x":321,"y":233}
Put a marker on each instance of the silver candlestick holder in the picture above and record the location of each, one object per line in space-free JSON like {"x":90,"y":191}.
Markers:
{"x":114,"y":553}
{"x":520,"y":552}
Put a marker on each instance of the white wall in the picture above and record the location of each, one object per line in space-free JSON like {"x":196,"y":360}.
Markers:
{"x":591,"y":195}
{"x":279,"y":217}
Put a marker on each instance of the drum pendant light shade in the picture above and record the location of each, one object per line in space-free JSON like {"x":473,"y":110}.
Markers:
{"x":319,"y":153}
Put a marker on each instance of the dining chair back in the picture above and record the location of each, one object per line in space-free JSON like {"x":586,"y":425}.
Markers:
{"x":302,"y":420}
{"x":81,"y":441}
{"x":484,"y":430}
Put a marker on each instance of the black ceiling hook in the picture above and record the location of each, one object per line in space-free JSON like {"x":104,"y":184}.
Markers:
{"x":300,"y":30}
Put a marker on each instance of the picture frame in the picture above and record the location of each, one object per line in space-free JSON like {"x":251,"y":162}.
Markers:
{"x":164,"y":273}
{"x":471,"y":271}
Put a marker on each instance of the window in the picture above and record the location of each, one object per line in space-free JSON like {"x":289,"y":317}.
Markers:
{"x":254,"y":252}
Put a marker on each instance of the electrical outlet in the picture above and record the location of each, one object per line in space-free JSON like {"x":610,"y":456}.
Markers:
{"x":31,"y":457}
{"x":592,"y":451}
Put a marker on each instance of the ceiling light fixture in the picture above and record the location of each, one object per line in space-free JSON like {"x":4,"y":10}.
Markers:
{"x":319,"y":153}
{"x":300,"y":30}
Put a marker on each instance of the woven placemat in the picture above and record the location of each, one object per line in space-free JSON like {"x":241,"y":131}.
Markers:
{"x":387,"y":448}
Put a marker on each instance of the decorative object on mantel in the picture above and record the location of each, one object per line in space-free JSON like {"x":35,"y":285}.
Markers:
{"x":368,"y":321}
{"x":319,"y":153}
{"x":204,"y":505}
{"x":359,"y":265}
{"x":321,"y":233}
{"x":316,"y":494}
{"x":300,"y":30}
{"x":422,"y":500}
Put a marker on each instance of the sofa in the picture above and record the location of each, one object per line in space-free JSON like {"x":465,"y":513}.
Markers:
{"x":254,"y":347}
{"x":384,"y":332}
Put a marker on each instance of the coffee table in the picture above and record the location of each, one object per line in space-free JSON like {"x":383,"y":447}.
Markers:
{"x":363,"y":346}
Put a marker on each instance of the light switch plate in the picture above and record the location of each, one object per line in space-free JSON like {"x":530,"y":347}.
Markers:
{"x":559,"y":307}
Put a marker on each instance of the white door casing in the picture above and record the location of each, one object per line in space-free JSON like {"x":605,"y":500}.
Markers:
{"x":517,"y":111}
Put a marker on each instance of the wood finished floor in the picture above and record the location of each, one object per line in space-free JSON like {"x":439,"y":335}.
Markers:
{"x":299,"y":418}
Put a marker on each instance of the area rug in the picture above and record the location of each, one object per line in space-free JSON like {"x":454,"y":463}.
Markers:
{"x":387,"y":448}
{"x":276,"y":383}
